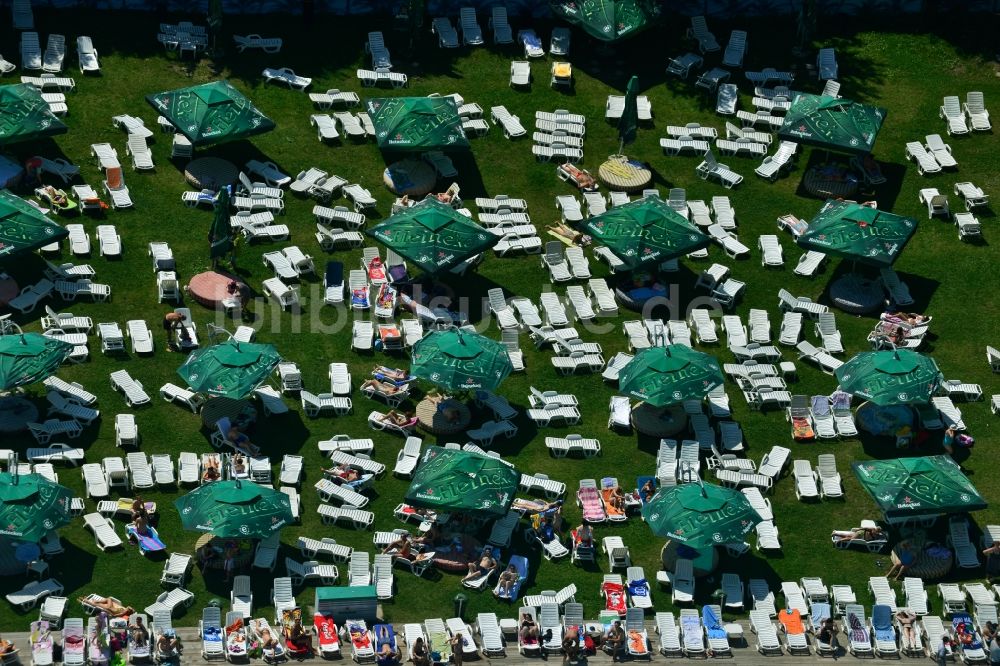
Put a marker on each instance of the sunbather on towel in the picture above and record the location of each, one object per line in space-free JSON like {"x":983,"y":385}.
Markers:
{"x":528,"y":629}
{"x":7,"y":647}
{"x":376,"y":271}
{"x":138,"y":633}
{"x":385,"y":388}
{"x":267,"y":639}
{"x":583,"y":535}
{"x":343,"y":472}
{"x":168,"y":645}
{"x":401,"y":419}
{"x":507,"y":581}
{"x":615,"y":500}
{"x":241,"y":442}
{"x":867,"y":534}
{"x":648,"y":490}
{"x":109,"y":606}
{"x":297,"y":638}
{"x":359,"y":637}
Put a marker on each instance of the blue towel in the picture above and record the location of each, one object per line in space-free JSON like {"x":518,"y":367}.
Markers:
{"x":532,"y":40}
{"x":713,"y":628}
{"x":212,"y":634}
{"x":818,"y":613}
{"x":639,"y":588}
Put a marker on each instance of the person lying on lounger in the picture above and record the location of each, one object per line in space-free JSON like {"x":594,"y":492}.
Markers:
{"x":6,"y":647}
{"x":865,"y":533}
{"x":267,"y":639}
{"x":397,"y":418}
{"x":507,"y":581}
{"x":111,"y":607}
{"x":390,"y":374}
{"x":242,"y":442}
{"x":343,"y":472}
{"x":385,"y":388}
{"x":138,"y":633}
{"x":528,"y":628}
{"x":168,"y":644}
{"x":648,"y":490}
{"x":484,"y":567}
{"x":211,"y":470}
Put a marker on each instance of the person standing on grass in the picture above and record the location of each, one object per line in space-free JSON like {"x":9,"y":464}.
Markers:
{"x":171,"y":321}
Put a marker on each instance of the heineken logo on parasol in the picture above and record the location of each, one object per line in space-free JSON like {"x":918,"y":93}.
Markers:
{"x":462,"y":486}
{"x":862,"y":231}
{"x":692,"y":522}
{"x":629,"y":230}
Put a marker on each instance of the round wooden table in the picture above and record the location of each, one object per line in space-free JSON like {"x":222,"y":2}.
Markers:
{"x":620,"y":173}
{"x":443,"y":417}
{"x":16,"y":413}
{"x":659,"y":421}
{"x":211,"y":288}
{"x":413,"y":178}
{"x":210,"y":173}
{"x":856,"y":294}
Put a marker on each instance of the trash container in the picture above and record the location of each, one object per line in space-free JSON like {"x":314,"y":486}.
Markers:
{"x":460,"y":601}
{"x":215,"y":602}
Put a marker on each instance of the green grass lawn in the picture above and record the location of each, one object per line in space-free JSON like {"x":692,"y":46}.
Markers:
{"x":906,"y":70}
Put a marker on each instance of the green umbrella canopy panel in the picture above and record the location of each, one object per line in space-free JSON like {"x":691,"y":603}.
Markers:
{"x":646,"y":231}
{"x":26,"y":358}
{"x":433,"y":235}
{"x":231,"y":369}
{"x":25,"y":116}
{"x":452,"y":480}
{"x":23,"y":227}
{"x":700,"y":515}
{"x":608,"y":20}
{"x":890,"y":377}
{"x":416,"y":123}
{"x":832,"y":123}
{"x":922,"y":486}
{"x":211,"y":113}
{"x":852,"y":231}
{"x":668,"y":375}
{"x":235,"y":509}
{"x":31,"y":506}
{"x":460,"y":361}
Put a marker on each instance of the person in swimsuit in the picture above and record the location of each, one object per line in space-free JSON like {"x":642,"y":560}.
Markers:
{"x":486,"y":566}
{"x":508,"y":579}
{"x":528,"y":628}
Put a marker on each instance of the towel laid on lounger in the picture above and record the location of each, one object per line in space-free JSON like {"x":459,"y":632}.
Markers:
{"x":713,"y":627}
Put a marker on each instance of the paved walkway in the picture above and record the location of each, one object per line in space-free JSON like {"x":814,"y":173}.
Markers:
{"x":744,"y":654}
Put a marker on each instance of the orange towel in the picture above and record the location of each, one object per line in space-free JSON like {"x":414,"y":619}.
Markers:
{"x":791,"y":621}
{"x":610,"y":508}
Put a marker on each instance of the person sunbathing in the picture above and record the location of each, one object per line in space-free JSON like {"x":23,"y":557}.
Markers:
{"x":241,"y":442}
{"x":211,"y":470}
{"x":648,"y":490}
{"x":387,"y":656}
{"x":141,"y":525}
{"x":298,"y":636}
{"x":864,"y":533}
{"x":506,"y":582}
{"x":528,"y":629}
{"x":584,"y":535}
{"x":910,"y":318}
{"x":391,"y":374}
{"x":267,"y":639}
{"x":401,"y":547}
{"x":343,"y":472}
{"x":486,"y":566}
{"x":56,"y":197}
{"x":6,"y":647}
{"x":385,"y":388}
{"x":138,"y":633}
{"x":400,"y":419}
{"x":239,"y":465}
{"x":617,"y":499}
{"x":110,"y":606}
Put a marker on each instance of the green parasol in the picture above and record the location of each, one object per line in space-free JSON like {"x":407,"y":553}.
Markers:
{"x":890,"y":377}
{"x":23,"y":227}
{"x":220,"y":234}
{"x":31,"y":506}
{"x":26,"y":358}
{"x":662,"y":376}
{"x":628,"y":124}
{"x":235,"y":509}
{"x":25,"y":116}
{"x":646,"y":231}
{"x":211,"y":113}
{"x":908,"y":487}
{"x":832,"y":123}
{"x":608,"y":20}
{"x":433,"y":235}
{"x":231,"y":369}
{"x":456,"y":481}
{"x":459,"y":361}
{"x":850,"y":230}
{"x":416,"y":123}
{"x":700,"y":515}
